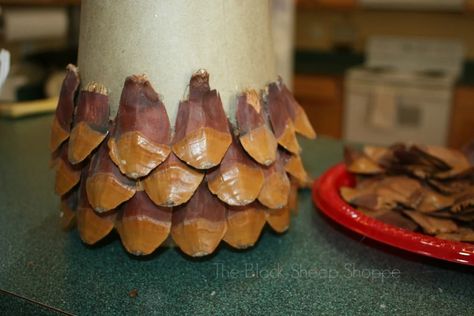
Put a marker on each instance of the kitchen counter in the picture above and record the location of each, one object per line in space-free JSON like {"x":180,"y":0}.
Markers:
{"x":315,"y":268}
{"x":309,"y":62}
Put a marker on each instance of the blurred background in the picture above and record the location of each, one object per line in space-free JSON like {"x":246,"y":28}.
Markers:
{"x":372,"y":71}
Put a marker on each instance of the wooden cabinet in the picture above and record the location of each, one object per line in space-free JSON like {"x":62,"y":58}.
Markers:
{"x":470,"y":6}
{"x":462,"y":117}
{"x":327,"y":4}
{"x":322,"y":98}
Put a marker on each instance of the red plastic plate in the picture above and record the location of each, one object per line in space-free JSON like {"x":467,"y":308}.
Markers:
{"x":326,"y":196}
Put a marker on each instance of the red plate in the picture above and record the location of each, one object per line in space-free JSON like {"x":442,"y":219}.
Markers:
{"x":327,"y":198}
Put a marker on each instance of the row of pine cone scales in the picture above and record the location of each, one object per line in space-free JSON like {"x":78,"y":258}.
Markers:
{"x":206,"y":182}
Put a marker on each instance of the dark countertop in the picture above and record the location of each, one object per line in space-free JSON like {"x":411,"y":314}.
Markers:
{"x":313,"y":62}
{"x":315,"y":268}
{"x":325,"y":63}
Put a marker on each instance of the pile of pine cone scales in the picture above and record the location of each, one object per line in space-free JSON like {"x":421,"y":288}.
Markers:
{"x":203,"y":181}
{"x":419,"y":188}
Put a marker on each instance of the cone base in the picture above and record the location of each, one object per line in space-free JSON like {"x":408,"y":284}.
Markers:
{"x":204,"y":182}
{"x":135,"y":155}
{"x":199,"y":237}
{"x":58,"y":135}
{"x":82,"y":141}
{"x":260,"y":144}
{"x":105,"y":193}
{"x":142,"y":236}
{"x":93,"y":227}
{"x":244,"y":227}
{"x":204,"y":148}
